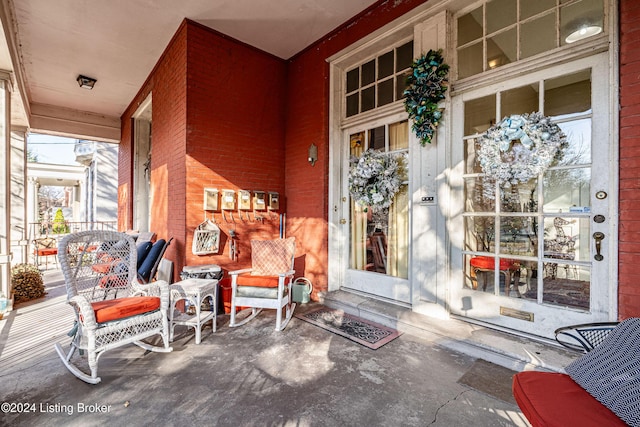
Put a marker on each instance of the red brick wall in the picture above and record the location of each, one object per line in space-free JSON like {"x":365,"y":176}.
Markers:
{"x":167,"y":84}
{"x":629,"y":234}
{"x":308,"y":122}
{"x":218,"y":121}
{"x":235,"y":136}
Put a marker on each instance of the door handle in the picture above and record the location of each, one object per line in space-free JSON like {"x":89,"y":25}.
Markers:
{"x":598,"y":236}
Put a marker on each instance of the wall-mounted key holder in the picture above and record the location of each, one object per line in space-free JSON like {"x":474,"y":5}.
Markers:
{"x":244,"y":200}
{"x":274,"y":201}
{"x":210,"y":199}
{"x":228,"y":200}
{"x":259,"y":201}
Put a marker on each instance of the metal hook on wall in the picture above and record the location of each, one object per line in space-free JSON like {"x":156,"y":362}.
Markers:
{"x":225,"y":217}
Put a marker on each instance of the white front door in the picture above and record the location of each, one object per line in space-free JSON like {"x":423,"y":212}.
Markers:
{"x":538,"y":255}
{"x":376,"y":257}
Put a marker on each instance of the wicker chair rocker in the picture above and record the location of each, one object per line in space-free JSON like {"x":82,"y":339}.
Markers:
{"x":267,"y":284}
{"x":112,"y":309}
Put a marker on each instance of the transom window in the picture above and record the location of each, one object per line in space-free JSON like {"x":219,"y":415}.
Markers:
{"x":379,"y":81}
{"x":501,"y":32}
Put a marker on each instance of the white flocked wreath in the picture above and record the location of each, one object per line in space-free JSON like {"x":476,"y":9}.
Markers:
{"x":375,"y":178}
{"x":519,"y":148}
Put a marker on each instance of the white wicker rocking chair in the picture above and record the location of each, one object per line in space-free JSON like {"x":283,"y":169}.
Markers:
{"x":112,"y":309}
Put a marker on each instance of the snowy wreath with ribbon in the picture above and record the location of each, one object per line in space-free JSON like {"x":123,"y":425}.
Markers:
{"x":538,"y":142}
{"x":375,"y":178}
{"x":426,"y":88}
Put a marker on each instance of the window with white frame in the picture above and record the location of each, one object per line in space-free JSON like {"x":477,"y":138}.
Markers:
{"x":378,"y":81}
{"x":500,"y":32}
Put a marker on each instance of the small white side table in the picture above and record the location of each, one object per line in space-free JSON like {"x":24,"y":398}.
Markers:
{"x":194,"y":291}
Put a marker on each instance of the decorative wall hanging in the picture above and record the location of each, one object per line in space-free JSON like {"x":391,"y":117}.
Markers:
{"x":538,"y":142}
{"x":206,"y":238}
{"x":426,"y":87}
{"x":375,"y":178}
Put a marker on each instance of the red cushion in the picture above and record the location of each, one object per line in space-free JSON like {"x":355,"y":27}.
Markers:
{"x":258,"y":281}
{"x":488,"y":263}
{"x":47,"y":251}
{"x":552,"y":399}
{"x":102,"y":267}
{"x":120,"y":308}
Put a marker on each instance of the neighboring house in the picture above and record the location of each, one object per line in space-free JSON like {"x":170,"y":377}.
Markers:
{"x":229,"y":120}
{"x":90,"y":193}
{"x":100,"y":194}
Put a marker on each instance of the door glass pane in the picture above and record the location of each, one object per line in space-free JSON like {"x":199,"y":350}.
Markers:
{"x":566,"y":285}
{"x":368,"y":98}
{"x":470,"y":60}
{"x":479,"y":114}
{"x":567,"y":238}
{"x":368,"y":72}
{"x":520,"y":100}
{"x":385,"y":65}
{"x":518,"y":235}
{"x":385,"y":92}
{"x":401,"y":84}
{"x":536,"y":37}
{"x":500,"y":14}
{"x":404,"y":56}
{"x":380,"y":237}
{"x":567,"y":190}
{"x":529,"y":8}
{"x":520,"y":197}
{"x":353,"y":80}
{"x":470,"y":26}
{"x":376,"y":138}
{"x":352,"y":104}
{"x":480,"y":233}
{"x":568,"y":94}
{"x":399,"y":136}
{"x":475,"y":195}
{"x":578,"y":133}
{"x":501,"y":49}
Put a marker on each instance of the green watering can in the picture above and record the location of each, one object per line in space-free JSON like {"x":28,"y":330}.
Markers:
{"x":302,"y":290}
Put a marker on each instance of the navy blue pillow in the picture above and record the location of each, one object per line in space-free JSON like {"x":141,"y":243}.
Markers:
{"x":143,"y":251}
{"x":144,"y":272}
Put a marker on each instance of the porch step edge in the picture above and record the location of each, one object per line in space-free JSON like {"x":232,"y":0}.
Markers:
{"x":502,"y":348}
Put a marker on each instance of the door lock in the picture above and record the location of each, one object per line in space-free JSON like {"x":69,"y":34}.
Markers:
{"x":343,"y":221}
{"x":598,"y":236}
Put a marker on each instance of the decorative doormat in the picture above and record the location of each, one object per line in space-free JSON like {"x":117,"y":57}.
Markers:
{"x":369,"y":334}
{"x":490,"y":379}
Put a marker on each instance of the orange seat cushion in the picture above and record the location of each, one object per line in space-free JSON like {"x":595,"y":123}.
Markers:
{"x":102,"y":267}
{"x":114,"y":309}
{"x":487,"y":263}
{"x":47,"y":251}
{"x":258,"y":281}
{"x":555,"y":400}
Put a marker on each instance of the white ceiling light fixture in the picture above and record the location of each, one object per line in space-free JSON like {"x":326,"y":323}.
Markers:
{"x":583,"y":32}
{"x":86,"y":82}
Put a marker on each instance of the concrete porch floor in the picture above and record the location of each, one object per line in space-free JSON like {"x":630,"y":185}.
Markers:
{"x":254,"y":376}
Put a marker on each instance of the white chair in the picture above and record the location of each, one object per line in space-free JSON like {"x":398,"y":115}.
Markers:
{"x":267,"y":284}
{"x":112,"y":309}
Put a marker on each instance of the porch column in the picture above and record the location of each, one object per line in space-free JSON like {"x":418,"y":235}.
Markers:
{"x":5,"y":184}
{"x":19,"y":227}
{"x":32,"y":207}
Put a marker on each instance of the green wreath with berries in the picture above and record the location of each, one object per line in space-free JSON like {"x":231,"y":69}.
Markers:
{"x":426,"y":87}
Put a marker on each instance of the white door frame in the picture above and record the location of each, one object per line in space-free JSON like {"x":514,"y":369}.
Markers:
{"x":486,"y":307}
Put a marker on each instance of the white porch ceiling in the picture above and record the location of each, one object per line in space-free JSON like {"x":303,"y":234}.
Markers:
{"x":49,"y":43}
